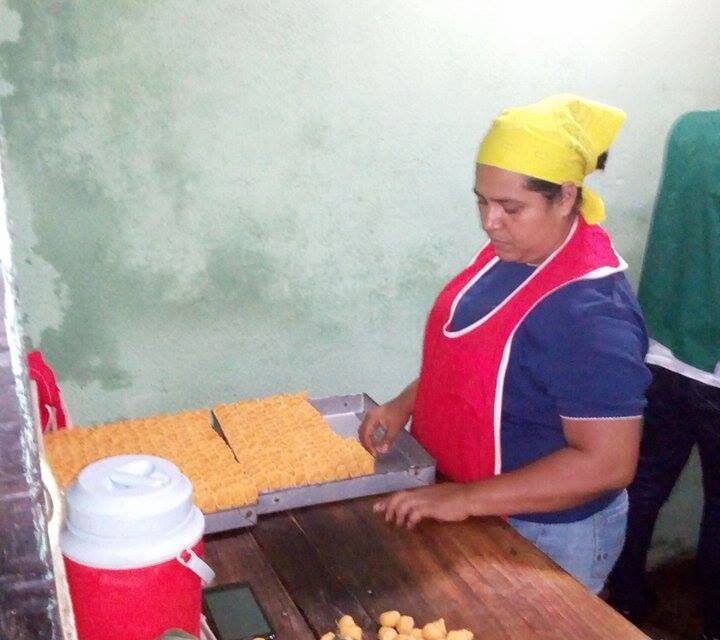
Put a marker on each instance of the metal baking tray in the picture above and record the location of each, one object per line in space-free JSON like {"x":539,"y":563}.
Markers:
{"x":408,"y":465}
{"x":235,"y":518}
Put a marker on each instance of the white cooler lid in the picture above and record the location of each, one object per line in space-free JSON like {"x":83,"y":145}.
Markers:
{"x":129,"y":511}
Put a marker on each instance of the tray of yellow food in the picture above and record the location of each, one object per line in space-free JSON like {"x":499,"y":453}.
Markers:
{"x":255,"y":456}
{"x":301,"y":452}
{"x":224,"y":492}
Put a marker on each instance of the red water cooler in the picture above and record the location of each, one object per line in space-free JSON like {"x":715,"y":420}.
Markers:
{"x":132,"y":545}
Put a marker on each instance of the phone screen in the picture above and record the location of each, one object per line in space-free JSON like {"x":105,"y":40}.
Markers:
{"x":234,"y":613}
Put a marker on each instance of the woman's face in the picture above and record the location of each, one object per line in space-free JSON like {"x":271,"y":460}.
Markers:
{"x":523,"y":225}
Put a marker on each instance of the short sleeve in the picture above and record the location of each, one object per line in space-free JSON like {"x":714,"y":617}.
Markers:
{"x":596,"y":368}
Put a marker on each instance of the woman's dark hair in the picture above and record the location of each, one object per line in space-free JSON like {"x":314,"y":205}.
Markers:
{"x":551,"y":190}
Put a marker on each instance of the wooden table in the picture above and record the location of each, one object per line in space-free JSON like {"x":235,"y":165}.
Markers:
{"x":310,"y":566}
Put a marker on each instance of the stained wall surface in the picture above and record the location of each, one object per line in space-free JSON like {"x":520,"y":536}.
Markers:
{"x":222,"y":200}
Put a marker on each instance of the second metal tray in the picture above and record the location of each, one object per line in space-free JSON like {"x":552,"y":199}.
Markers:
{"x":406,"y":466}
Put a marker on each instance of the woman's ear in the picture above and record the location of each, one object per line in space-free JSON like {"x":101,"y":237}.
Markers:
{"x":568,"y":196}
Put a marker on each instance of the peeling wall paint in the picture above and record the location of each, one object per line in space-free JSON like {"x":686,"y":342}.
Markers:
{"x":229,"y":200}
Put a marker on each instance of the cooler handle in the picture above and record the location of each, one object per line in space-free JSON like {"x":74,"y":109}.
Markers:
{"x":188,"y":558}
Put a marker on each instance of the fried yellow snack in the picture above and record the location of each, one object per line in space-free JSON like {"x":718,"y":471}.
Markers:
{"x":351,"y":632}
{"x":405,"y":624}
{"x":185,"y":438}
{"x":389,"y":618}
{"x":345,"y":621}
{"x":282,"y":441}
{"x":276,"y":442}
{"x":433,"y":631}
{"x":387,"y":633}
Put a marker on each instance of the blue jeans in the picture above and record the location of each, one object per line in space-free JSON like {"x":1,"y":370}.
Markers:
{"x":587,"y":549}
{"x":681,"y":412}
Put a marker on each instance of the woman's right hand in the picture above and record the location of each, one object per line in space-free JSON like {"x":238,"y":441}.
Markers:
{"x":381,"y":426}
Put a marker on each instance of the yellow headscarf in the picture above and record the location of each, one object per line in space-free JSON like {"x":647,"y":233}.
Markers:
{"x":557,"y":139}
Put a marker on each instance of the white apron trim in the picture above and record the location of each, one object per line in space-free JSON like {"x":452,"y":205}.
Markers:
{"x":588,"y":418}
{"x":598,"y":273}
{"x":491,"y":263}
{"x":500,"y":384}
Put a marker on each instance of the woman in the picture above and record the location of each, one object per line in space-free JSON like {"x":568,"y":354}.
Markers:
{"x":531,"y":389}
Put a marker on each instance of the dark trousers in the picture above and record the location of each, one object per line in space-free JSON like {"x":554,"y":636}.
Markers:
{"x":681,"y":412}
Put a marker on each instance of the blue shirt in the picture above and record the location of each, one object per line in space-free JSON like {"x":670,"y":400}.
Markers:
{"x":578,"y":354}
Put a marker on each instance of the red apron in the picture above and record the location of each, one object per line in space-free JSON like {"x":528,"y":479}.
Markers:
{"x":458,"y":406}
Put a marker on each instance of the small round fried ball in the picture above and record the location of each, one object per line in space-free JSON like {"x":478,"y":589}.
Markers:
{"x":403,"y":636}
{"x":345,"y":621}
{"x":405,"y":624}
{"x":351,"y":632}
{"x":328,"y":636}
{"x":389,"y":618}
{"x":387,"y":633}
{"x":460,"y":634}
{"x":416,"y":633}
{"x":432,"y":631}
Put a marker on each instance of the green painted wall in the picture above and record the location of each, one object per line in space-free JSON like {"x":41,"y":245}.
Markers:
{"x":220,"y":200}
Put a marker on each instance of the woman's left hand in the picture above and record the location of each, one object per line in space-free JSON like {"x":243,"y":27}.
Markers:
{"x":447,"y":501}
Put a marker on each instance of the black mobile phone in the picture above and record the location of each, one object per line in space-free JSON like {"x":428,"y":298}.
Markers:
{"x":233,"y":613}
